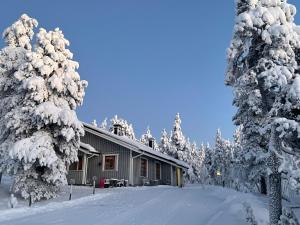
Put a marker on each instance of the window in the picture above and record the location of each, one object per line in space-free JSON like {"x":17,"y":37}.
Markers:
{"x":79,"y":162}
{"x":110,"y":162}
{"x":144,"y":167}
{"x":77,"y":165}
{"x":116,"y":130}
{"x":157,"y":171}
{"x":151,"y":143}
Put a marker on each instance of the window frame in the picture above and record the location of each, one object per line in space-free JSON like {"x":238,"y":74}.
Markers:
{"x":147,"y":167}
{"x":160,"y":173}
{"x":116,"y":162}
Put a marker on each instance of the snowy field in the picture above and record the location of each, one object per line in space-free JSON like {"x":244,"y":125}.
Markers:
{"x":162,"y":205}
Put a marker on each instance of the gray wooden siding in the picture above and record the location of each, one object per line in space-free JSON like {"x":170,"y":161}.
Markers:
{"x":106,"y":147}
{"x":76,"y":175}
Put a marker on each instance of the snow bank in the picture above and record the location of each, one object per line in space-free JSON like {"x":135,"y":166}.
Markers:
{"x":9,"y":214}
{"x":258,"y":203}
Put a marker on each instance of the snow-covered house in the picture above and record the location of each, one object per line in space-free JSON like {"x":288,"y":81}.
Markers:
{"x":111,"y":155}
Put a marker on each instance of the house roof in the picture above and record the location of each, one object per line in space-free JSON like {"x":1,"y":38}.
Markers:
{"x":133,"y":145}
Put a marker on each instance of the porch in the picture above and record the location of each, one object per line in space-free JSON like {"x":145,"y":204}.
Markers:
{"x":78,"y":170}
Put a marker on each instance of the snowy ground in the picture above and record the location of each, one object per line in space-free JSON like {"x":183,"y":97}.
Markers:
{"x":162,"y":205}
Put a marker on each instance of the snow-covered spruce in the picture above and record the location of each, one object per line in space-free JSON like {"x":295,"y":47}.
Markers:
{"x":177,"y":138}
{"x":40,"y":89}
{"x":180,"y":147}
{"x":165,"y":143}
{"x":239,"y":167}
{"x":94,"y":123}
{"x":218,"y":166}
{"x":221,"y":163}
{"x":104,"y":124}
{"x":263,"y":70}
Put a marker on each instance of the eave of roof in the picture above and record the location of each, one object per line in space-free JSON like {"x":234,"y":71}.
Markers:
{"x":134,"y":145}
{"x":87,"y":149}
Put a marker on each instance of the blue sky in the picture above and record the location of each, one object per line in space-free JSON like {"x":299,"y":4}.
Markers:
{"x":146,"y":60}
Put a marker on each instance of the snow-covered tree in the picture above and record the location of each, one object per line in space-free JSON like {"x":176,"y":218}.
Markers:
{"x":18,"y":43}
{"x":209,"y":153}
{"x":200,"y":166}
{"x":239,"y":169}
{"x":184,"y":153}
{"x":149,"y":140}
{"x":196,"y":157}
{"x":42,"y":131}
{"x":262,"y":63}
{"x":217,"y":162}
{"x":244,"y":5}
{"x":177,"y":138}
{"x":126,"y":129}
{"x":104,"y":124}
{"x":190,"y":156}
{"x":94,"y":123}
{"x":165,"y":144}
{"x":221,"y":160}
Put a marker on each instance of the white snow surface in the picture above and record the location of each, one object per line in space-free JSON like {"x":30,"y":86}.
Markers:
{"x":160,"y":205}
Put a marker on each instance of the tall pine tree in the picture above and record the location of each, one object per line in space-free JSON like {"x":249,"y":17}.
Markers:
{"x":261,"y":63}
{"x":44,"y":131}
{"x":177,"y":138}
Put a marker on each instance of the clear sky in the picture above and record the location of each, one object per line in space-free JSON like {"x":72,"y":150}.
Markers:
{"x":146,"y":60}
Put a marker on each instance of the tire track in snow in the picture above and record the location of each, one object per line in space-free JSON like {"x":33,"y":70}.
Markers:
{"x":214,"y":218}
{"x":218,"y":211}
{"x":162,"y":209}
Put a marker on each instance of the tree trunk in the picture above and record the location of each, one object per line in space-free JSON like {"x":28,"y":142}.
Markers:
{"x":275,"y":198}
{"x":0,"y":177}
{"x":263,"y":185}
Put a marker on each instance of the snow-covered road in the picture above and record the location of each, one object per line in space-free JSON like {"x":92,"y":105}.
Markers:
{"x":193,"y":205}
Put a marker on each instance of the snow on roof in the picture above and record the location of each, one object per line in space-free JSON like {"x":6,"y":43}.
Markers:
{"x":137,"y":145}
{"x":88,"y":147}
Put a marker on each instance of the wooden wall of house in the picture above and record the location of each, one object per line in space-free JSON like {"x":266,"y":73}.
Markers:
{"x":106,"y":147}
